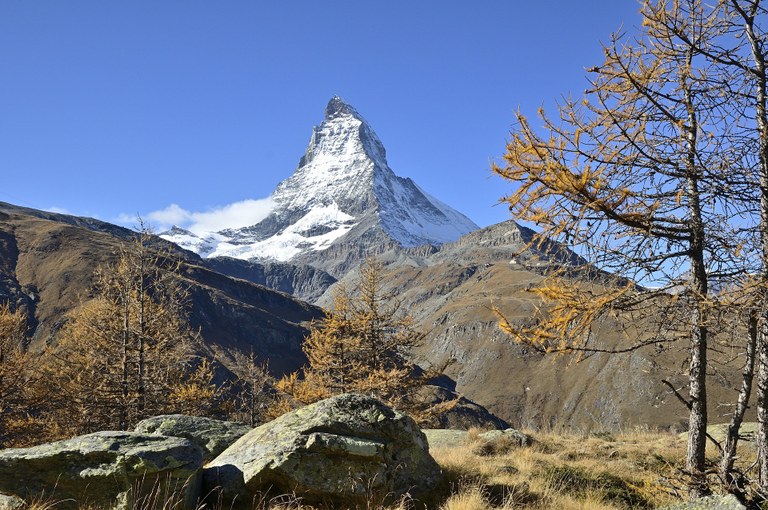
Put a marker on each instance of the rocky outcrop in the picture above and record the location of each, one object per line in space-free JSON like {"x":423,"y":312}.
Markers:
{"x":212,"y":436}
{"x":454,"y":411}
{"x":338,"y":451}
{"x":302,"y":281}
{"x":102,"y":470}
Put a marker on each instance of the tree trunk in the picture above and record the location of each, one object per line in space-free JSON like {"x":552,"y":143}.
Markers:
{"x":697,"y":377}
{"x":761,"y":117}
{"x":697,"y":420}
{"x":728,"y":456}
{"x":123,"y":418}
{"x":762,"y":405}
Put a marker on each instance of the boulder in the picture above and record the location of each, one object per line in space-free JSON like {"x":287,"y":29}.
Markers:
{"x":729,"y":502}
{"x":511,"y":436}
{"x":103,"y":470}
{"x":445,"y":438}
{"x":341,"y":451}
{"x":213,"y":436}
{"x":487,"y":442}
{"x":458,"y":412}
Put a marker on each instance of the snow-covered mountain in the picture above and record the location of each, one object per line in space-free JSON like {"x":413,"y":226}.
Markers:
{"x":343,"y":193}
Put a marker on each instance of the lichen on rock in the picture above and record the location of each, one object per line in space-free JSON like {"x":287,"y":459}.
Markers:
{"x":339,"y":451}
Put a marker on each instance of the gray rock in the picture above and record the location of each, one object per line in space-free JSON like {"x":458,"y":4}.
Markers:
{"x":445,"y":438}
{"x":511,"y":436}
{"x":461,"y":414}
{"x":214,"y":436}
{"x":729,"y":502}
{"x":103,"y":469}
{"x":11,"y":502}
{"x":340,"y":450}
{"x":449,"y":438}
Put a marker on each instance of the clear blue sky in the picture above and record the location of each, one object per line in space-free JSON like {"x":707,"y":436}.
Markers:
{"x":110,"y":108}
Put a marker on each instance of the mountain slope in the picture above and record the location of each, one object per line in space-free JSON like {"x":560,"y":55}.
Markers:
{"x":342,"y":194}
{"x":451,"y":291}
{"x":47,"y":262}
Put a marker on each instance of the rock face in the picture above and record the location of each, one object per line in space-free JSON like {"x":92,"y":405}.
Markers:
{"x":302,"y":281}
{"x":212,"y":436}
{"x":335,"y":451}
{"x":102,"y":470}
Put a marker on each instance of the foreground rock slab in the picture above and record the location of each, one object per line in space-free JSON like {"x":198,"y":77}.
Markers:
{"x":213,"y":436}
{"x":729,"y":502}
{"x":102,"y":470}
{"x":340,"y":451}
{"x":11,"y":502}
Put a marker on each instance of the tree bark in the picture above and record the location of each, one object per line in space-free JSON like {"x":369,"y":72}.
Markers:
{"x":697,"y":376}
{"x":762,"y":406}
{"x":728,"y":456}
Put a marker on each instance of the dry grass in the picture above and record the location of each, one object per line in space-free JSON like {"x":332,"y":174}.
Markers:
{"x":634,"y":470}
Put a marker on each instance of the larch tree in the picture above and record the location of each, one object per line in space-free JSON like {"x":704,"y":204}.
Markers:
{"x":745,"y":55}
{"x":334,"y":349}
{"x":127,"y":352}
{"x":361,"y":345}
{"x":17,"y":374}
{"x":739,"y":49}
{"x":638,"y":176}
{"x":252,"y":388}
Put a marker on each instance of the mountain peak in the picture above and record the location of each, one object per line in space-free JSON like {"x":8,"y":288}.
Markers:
{"x":342,"y":194}
{"x":337,"y":107}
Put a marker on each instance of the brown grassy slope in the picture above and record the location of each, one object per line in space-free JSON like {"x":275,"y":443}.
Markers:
{"x":47,"y":262}
{"x":451,"y":294}
{"x":637,"y":469}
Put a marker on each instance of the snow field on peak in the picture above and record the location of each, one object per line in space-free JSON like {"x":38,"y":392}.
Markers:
{"x":413,"y":217}
{"x":295,"y":239}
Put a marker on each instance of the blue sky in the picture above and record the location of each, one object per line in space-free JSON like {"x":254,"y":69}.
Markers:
{"x":112,"y":108}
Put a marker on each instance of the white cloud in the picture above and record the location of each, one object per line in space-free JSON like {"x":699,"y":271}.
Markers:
{"x":239,"y":214}
{"x":57,"y":210}
{"x":171,"y":215}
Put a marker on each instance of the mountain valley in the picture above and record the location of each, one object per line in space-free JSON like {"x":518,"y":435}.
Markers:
{"x":257,"y":288}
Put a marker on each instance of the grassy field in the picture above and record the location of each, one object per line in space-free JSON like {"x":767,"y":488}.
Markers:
{"x":569,"y":472}
{"x":637,"y":470}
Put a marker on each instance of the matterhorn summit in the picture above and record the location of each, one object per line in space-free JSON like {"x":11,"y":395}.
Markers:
{"x":342,"y":202}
